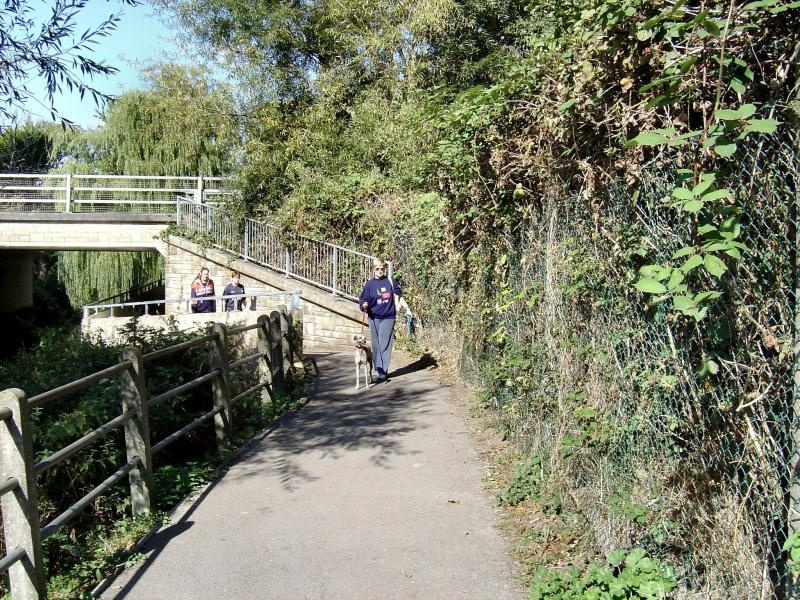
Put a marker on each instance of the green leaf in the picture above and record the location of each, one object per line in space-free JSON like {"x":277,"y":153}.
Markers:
{"x":567,"y":105}
{"x":714,"y":265}
{"x":683,"y":303}
{"x":683,"y":252}
{"x":730,"y":228}
{"x":694,"y":261}
{"x":707,"y":228}
{"x":706,"y":179}
{"x":738,"y":86}
{"x":693,"y":206}
{"x":649,"y":138}
{"x":682,"y":194}
{"x":656,"y":272}
{"x":675,"y":279}
{"x":743,"y":112}
{"x":716,"y":195}
{"x":761,"y":126}
{"x":650,"y":286}
{"x":708,"y":295}
{"x":725,"y":149}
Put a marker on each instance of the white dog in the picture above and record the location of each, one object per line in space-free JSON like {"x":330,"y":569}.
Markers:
{"x":362,"y":357}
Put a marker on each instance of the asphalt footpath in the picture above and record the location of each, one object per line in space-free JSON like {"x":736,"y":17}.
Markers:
{"x":368,"y":494}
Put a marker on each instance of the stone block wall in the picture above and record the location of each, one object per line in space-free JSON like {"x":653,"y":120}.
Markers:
{"x":81,"y":236}
{"x":329,"y":322}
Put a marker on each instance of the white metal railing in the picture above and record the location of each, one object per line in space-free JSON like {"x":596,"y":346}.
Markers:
{"x":106,"y":193}
{"x":328,"y":266}
{"x":92,"y":310}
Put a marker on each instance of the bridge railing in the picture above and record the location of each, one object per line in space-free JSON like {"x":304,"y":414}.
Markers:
{"x":328,"y":266}
{"x":106,"y":193}
{"x":147,"y":307}
{"x":276,"y":351}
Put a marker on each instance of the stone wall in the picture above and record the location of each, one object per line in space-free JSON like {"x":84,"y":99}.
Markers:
{"x":81,"y":236}
{"x":329,"y":322}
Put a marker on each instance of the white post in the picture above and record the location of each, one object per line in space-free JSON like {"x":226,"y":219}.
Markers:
{"x":198,"y":192}
{"x":68,"y":194}
{"x":335,"y":269}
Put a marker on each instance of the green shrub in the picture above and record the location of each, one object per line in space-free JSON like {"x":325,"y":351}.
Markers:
{"x":626,"y":575}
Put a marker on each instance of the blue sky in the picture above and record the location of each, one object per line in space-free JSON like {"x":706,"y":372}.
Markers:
{"x":140,"y":37}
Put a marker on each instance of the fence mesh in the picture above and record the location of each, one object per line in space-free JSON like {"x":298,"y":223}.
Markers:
{"x":657,"y":431}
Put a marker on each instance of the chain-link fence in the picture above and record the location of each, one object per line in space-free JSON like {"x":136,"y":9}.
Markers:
{"x":655,"y":430}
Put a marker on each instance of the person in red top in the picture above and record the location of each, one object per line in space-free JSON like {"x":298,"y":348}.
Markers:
{"x":203,"y":286}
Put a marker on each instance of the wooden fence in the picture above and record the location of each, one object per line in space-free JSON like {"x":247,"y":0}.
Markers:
{"x":276,"y":350}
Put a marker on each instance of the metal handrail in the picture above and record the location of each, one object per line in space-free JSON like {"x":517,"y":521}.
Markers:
{"x":79,"y":444}
{"x":64,"y":192}
{"x":295,"y":294}
{"x":9,"y":485}
{"x":76,"y":508}
{"x":174,"y":437}
{"x":79,"y":384}
{"x":189,"y":385}
{"x":331,"y":267}
{"x":150,"y":356}
{"x":134,"y":394}
{"x":11,"y":558}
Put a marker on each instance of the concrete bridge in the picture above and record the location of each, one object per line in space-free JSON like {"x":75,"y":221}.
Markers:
{"x":132,"y":214}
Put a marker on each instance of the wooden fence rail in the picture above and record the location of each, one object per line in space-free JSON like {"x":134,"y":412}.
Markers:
{"x":277,"y":347}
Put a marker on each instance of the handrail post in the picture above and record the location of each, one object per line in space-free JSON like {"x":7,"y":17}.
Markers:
{"x":265,"y":364}
{"x":20,"y":512}
{"x":335,"y":269}
{"x":137,"y":431}
{"x":221,"y":386}
{"x":288,"y":262}
{"x":68,"y":194}
{"x":247,"y":238}
{"x":276,"y":351}
{"x":198,"y":192}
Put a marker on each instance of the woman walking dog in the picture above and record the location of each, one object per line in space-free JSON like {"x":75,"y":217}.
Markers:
{"x":379,"y":300}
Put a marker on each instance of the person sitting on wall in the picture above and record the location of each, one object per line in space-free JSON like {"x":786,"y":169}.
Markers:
{"x":203,"y":286}
{"x":234,"y":288}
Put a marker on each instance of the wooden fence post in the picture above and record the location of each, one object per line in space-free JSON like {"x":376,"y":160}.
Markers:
{"x":265,"y":364}
{"x":137,"y":431}
{"x":20,"y":513}
{"x":286,"y":347}
{"x":221,"y":386}
{"x":276,"y":351}
{"x":297,"y":335}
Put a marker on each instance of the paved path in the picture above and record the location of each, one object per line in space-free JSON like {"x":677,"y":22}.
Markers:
{"x":359,"y":495}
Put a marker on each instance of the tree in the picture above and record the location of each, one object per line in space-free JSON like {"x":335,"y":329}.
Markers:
{"x":26,"y":149}
{"x":48,"y":47}
{"x":180,"y":125}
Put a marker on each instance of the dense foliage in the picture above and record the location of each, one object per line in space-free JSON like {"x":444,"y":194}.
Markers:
{"x":84,"y":550}
{"x":589,"y":203}
{"x":562,"y":187}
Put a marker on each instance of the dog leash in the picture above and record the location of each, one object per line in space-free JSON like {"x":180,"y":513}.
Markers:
{"x":363,"y":316}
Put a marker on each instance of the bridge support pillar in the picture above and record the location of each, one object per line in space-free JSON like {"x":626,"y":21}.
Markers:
{"x":16,"y":281}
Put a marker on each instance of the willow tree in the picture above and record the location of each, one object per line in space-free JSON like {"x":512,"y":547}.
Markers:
{"x":179,"y":125}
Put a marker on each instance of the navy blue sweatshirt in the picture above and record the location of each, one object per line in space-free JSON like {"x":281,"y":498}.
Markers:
{"x":378,"y":293}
